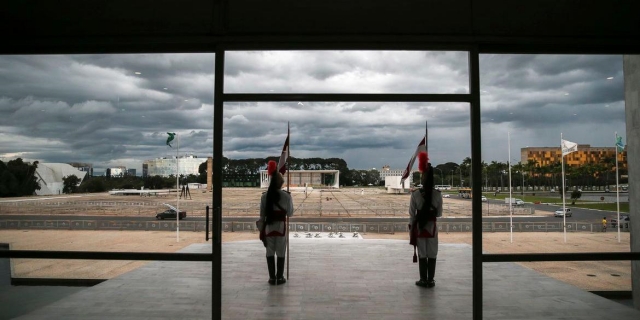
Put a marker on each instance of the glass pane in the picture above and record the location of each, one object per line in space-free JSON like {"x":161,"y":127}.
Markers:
{"x":364,"y":142}
{"x":530,"y":103}
{"x":346,"y":72}
{"x":102,"y":119}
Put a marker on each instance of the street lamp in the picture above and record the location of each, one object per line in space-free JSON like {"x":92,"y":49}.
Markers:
{"x":460,"y":169}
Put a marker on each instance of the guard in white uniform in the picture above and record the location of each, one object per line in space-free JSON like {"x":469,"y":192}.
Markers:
{"x":424,"y":209}
{"x":275,"y":206}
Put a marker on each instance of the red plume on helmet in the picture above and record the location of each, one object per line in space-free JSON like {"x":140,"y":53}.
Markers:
{"x":423,"y":162}
{"x":271,"y":167}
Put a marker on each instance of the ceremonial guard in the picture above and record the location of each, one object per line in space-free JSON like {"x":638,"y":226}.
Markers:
{"x":275,"y":206}
{"x":424,"y":209}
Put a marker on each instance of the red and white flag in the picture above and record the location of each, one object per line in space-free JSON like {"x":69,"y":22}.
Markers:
{"x":282,"y":163}
{"x":422,"y":146}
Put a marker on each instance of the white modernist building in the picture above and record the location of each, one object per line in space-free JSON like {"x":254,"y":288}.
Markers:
{"x":165,"y":167}
{"x":49,"y":176}
{"x":302,"y":178}
{"x":388,"y":172}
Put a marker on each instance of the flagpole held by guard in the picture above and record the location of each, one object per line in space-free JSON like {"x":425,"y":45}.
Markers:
{"x":288,"y":181}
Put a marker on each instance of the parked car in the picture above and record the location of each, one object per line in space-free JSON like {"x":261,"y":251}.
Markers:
{"x":624,"y":221}
{"x":170,"y":213}
{"x":446,"y":195}
{"x":560,"y":213}
{"x":484,"y":199}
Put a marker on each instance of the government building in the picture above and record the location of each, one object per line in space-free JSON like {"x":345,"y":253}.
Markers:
{"x":166,"y":167}
{"x":545,"y":156}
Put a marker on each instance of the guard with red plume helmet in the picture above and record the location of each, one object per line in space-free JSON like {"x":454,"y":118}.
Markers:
{"x":424,"y":209}
{"x":275,"y":206}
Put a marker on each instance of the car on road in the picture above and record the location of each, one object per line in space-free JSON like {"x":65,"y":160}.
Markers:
{"x":170,"y":213}
{"x":514,"y":201}
{"x":624,"y":221}
{"x":484,"y":199}
{"x":446,"y":195}
{"x":560,"y":213}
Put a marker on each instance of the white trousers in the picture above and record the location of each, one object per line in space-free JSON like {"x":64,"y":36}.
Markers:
{"x":276,"y":246}
{"x":428,"y":247}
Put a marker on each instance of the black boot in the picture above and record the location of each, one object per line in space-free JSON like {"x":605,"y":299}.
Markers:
{"x":423,"y":266}
{"x":280,"y":278}
{"x":431,"y":273}
{"x":271,"y":264}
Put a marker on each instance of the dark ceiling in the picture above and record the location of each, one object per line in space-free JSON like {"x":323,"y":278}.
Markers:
{"x":100,"y":26}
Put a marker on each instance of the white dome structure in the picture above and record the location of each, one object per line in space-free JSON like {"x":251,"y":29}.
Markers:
{"x":50,"y":176}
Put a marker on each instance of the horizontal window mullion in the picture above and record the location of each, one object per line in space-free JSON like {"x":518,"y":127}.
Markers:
{"x":101,"y":255}
{"x":345,"y":97}
{"x":578,"y":256}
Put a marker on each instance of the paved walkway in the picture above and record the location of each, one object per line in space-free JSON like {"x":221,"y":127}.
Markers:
{"x":332,"y":279}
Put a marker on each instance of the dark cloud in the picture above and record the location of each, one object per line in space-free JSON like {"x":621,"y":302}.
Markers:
{"x":116,"y":109}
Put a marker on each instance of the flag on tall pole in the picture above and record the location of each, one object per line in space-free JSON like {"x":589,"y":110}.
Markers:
{"x":169,"y":139}
{"x":567,"y":148}
{"x":619,"y":148}
{"x":422,"y":147}
{"x":284,"y":156}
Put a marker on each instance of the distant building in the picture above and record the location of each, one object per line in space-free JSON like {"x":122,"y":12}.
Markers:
{"x":310,"y":178}
{"x":165,"y":167}
{"x":116,"y":172}
{"x":131,"y":172}
{"x":49,"y":176}
{"x":545,"y":156}
{"x":84,"y":167}
{"x":388,"y":172}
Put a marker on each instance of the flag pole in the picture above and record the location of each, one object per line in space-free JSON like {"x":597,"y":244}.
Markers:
{"x":288,"y":181}
{"x":510,"y":193}
{"x":426,"y":135}
{"x":564,"y":206}
{"x":617,"y":188}
{"x":178,"y":190}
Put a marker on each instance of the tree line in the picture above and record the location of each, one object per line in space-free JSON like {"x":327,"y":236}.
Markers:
{"x":18,"y":178}
{"x":495,"y":175}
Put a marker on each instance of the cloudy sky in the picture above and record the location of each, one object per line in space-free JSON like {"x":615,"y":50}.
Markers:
{"x":113,"y":110}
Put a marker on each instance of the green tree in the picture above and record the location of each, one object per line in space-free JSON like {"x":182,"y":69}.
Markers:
{"x":202,"y":173}
{"x":18,"y":178}
{"x":95,"y":184}
{"x":575,"y":195}
{"x":70,"y":183}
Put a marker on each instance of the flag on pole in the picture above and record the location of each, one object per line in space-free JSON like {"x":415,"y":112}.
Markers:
{"x":568,"y":147}
{"x":282,"y":163}
{"x":619,"y":143}
{"x":422,"y":146}
{"x":170,"y":138}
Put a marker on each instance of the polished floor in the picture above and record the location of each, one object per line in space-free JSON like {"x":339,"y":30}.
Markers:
{"x":332,"y":279}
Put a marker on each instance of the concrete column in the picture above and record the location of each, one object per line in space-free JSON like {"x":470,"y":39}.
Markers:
{"x":631,"y":68}
{"x":209,"y":174}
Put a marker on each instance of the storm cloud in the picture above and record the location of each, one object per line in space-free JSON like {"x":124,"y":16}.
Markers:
{"x":114,"y":110}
